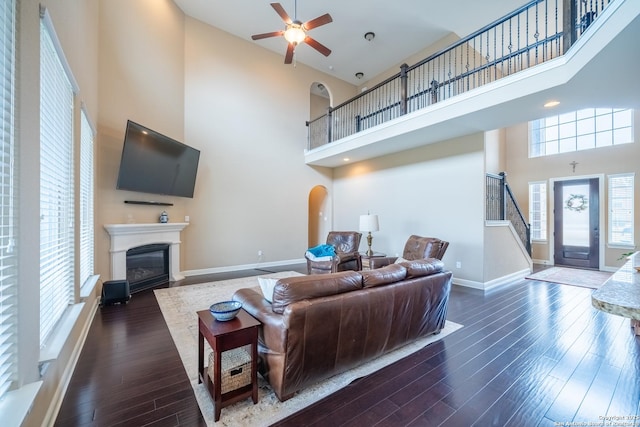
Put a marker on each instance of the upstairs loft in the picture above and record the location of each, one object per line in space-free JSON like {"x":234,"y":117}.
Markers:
{"x":598,"y":70}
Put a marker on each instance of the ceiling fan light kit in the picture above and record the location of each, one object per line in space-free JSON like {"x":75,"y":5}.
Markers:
{"x":296,"y":32}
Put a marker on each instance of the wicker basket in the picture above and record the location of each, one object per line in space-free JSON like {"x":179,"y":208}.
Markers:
{"x":236,"y":369}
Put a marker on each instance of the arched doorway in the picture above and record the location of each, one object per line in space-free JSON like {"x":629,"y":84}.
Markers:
{"x":319,"y":215}
{"x":319,"y":100}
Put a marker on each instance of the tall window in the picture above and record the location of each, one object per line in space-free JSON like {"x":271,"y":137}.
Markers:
{"x":86,"y":198}
{"x":8,"y":189}
{"x":56,"y":184}
{"x":621,"y":209}
{"x":538,"y":210}
{"x":580,"y":130}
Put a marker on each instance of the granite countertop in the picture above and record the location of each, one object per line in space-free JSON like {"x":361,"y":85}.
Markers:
{"x":620,"y":294}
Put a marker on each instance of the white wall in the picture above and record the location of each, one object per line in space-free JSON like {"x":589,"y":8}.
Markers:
{"x":436,"y":190}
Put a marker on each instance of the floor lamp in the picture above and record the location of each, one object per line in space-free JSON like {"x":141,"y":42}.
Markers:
{"x":369,"y":223}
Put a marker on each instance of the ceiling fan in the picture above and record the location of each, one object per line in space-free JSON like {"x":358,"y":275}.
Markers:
{"x":295,"y":32}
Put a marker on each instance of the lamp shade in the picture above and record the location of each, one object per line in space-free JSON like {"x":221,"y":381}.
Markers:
{"x":369,"y":223}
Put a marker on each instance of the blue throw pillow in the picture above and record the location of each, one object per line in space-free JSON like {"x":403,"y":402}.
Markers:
{"x":322,"y":250}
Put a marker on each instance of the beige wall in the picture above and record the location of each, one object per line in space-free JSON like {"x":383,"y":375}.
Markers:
{"x":504,"y":255}
{"x":607,"y":160}
{"x":436,"y":190}
{"x":494,"y":151}
{"x":141,"y":78}
{"x":237,"y":103}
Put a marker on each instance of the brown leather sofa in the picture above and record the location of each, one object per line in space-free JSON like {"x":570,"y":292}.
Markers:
{"x":417,"y":247}
{"x":320,"y":325}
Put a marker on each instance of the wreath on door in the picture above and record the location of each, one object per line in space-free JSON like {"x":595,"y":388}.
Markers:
{"x":576,"y":202}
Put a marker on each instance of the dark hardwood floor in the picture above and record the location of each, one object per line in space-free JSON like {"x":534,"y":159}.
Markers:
{"x":529,"y":354}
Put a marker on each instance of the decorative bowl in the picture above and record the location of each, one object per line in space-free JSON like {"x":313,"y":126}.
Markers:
{"x":225,"y":310}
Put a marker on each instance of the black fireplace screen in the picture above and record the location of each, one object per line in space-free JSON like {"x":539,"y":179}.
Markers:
{"x":147,"y":266}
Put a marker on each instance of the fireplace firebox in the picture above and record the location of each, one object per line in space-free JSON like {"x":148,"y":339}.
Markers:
{"x":147,"y":266}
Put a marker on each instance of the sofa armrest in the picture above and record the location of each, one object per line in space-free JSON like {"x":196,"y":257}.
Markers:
{"x":273,"y":332}
{"x":377,"y":262}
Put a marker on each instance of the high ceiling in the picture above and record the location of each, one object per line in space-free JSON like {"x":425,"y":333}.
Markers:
{"x":401,"y":27}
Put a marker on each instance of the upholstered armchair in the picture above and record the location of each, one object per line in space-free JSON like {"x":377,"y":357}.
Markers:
{"x":417,"y":247}
{"x":347,"y":257}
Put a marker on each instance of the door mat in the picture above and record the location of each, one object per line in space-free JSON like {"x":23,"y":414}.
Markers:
{"x":572,"y":276}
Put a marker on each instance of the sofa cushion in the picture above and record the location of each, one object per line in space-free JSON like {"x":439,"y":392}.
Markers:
{"x":382,"y":276}
{"x":291,"y":289}
{"x":423,"y":267}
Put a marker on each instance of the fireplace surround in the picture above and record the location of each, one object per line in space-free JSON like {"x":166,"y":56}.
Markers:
{"x":128,"y":236}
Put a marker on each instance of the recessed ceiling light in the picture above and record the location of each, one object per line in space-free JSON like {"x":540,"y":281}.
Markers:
{"x":346,"y":159}
{"x":551,"y":104}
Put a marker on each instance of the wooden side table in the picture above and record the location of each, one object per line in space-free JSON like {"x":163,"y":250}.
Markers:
{"x":223,"y":336}
{"x":366,"y":258}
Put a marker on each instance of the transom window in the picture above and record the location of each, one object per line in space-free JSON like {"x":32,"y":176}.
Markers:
{"x":580,"y":130}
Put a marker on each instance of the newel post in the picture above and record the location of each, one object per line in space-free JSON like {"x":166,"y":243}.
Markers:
{"x":503,"y":195}
{"x":403,"y":89}
{"x":569,"y":23}
{"x":329,"y":123}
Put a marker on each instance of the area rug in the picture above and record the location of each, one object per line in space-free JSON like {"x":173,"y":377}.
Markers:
{"x":572,"y":276}
{"x":179,"y":306}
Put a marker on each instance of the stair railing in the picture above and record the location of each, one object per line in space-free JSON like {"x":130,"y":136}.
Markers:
{"x":501,"y":205}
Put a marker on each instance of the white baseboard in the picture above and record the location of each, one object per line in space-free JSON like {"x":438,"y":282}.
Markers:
{"x":505,"y":280}
{"x":492,"y":284}
{"x":468,"y":283}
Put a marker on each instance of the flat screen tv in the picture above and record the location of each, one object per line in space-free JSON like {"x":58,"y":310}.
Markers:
{"x":154,"y":163}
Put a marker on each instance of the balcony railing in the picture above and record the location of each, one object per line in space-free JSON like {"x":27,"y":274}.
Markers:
{"x":536,"y":32}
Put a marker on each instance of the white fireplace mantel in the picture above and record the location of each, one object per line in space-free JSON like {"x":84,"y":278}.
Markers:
{"x":127,"y":236}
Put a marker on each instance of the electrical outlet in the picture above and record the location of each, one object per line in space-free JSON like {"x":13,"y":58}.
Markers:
{"x":458,"y":264}
{"x":186,"y":218}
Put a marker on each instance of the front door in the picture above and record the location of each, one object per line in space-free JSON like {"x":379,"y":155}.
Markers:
{"x":576,"y":219}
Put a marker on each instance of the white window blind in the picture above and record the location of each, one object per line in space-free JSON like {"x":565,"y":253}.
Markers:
{"x":56,"y":185}
{"x":538,"y":210}
{"x":8,"y":208}
{"x":621,"y":209}
{"x":86,"y":198}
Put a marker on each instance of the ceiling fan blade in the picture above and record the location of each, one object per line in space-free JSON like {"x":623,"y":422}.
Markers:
{"x":320,"y":20}
{"x":280,"y":11}
{"x":266,"y":35}
{"x":317,"y":46}
{"x":288,"y":57}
